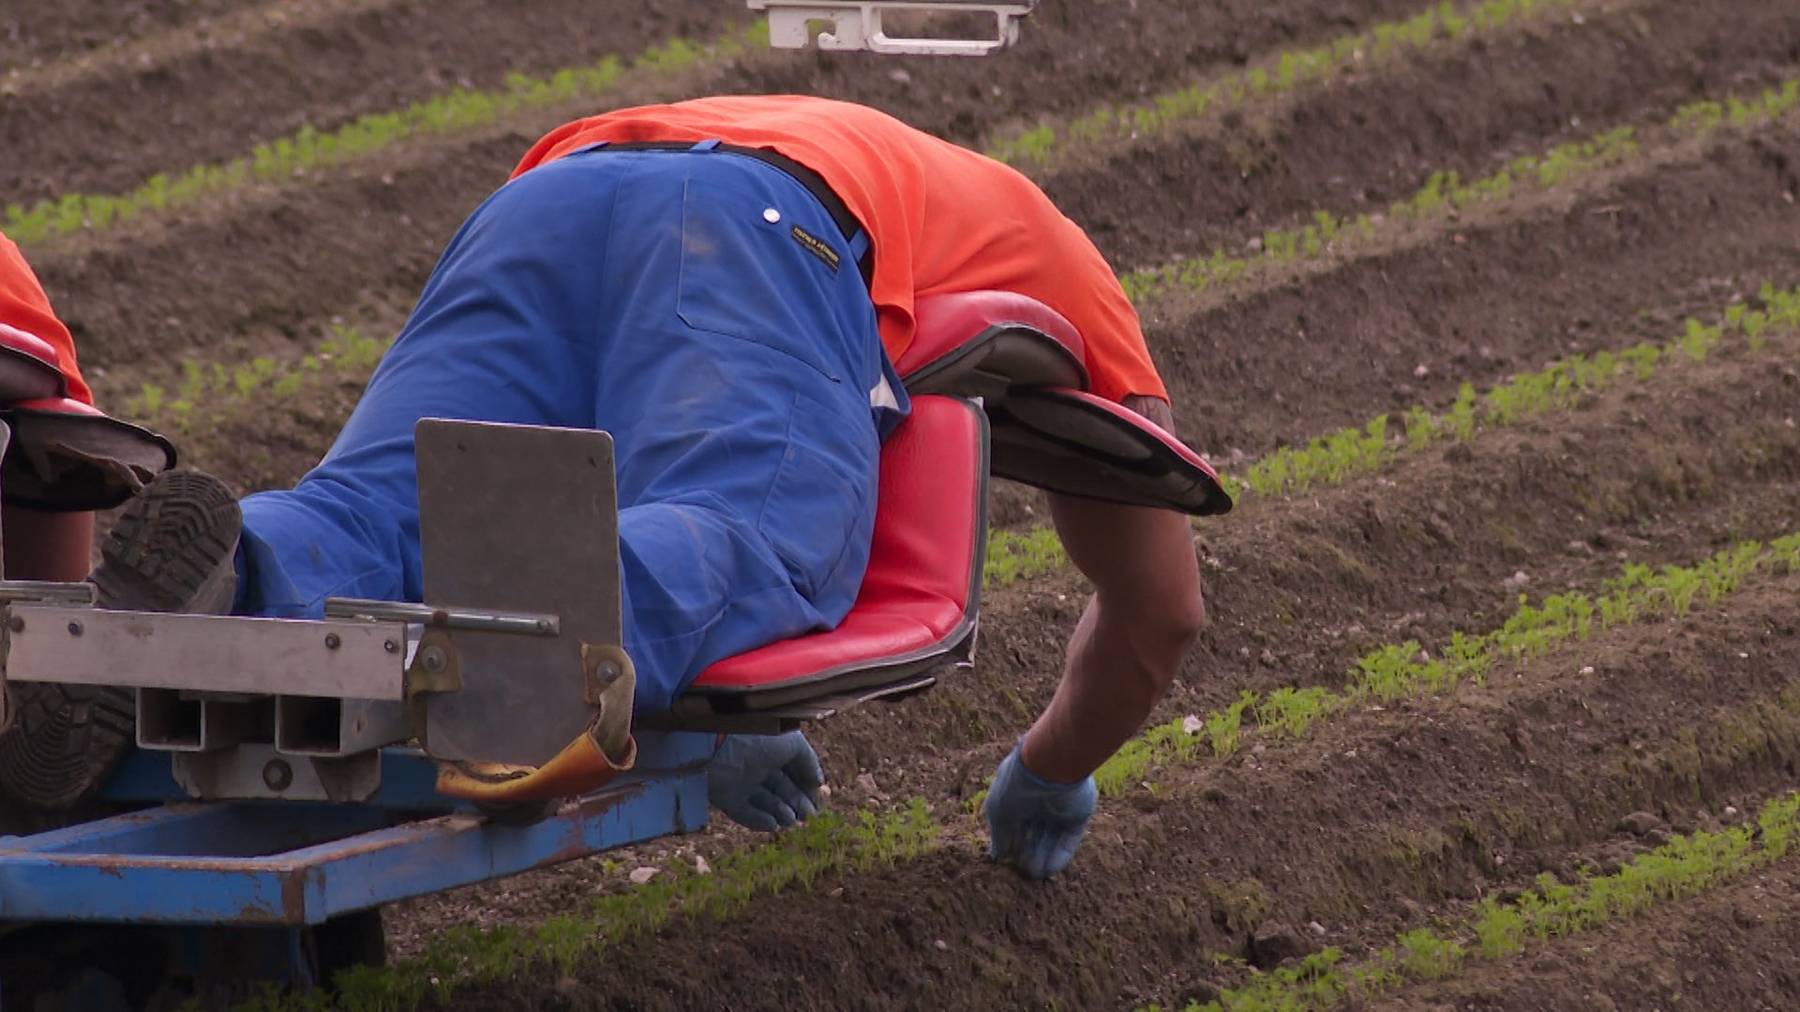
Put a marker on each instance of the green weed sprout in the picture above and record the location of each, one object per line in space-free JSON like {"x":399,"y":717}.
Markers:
{"x":1282,"y":74}
{"x":1685,"y":866}
{"x":309,"y":149}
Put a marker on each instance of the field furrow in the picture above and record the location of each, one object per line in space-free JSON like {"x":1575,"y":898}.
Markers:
{"x":1730,"y":948}
{"x":1422,"y":802}
{"x":1501,"y":288}
{"x":1373,"y":136}
{"x":1301,"y":589}
{"x":1487,"y":310}
{"x":187,"y":102}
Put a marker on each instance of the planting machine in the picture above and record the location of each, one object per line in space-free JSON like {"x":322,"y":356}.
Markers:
{"x":291,"y":776}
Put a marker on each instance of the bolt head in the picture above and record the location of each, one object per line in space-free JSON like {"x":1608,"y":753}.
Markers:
{"x":277,"y":775}
{"x":16,"y":623}
{"x":332,"y":641}
{"x":74,"y":628}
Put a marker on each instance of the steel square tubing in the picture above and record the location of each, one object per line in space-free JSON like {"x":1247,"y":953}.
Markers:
{"x":212,"y":653}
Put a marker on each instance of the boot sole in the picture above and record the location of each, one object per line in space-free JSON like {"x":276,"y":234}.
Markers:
{"x":171,"y":551}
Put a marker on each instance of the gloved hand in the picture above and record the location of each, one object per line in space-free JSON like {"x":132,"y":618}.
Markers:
{"x":765,"y":782}
{"x":1033,"y":824}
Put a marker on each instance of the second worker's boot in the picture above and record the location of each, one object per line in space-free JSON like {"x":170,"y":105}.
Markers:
{"x":171,"y":550}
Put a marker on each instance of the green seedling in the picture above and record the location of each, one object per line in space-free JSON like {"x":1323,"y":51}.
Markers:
{"x":309,"y":149}
{"x":1685,"y":866}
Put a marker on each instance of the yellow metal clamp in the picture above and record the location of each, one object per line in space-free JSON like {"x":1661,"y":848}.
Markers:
{"x":590,"y":762}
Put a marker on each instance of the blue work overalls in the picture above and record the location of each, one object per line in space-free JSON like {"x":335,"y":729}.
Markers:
{"x":666,"y":297}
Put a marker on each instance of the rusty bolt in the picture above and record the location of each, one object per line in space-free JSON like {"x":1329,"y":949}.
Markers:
{"x":74,"y":628}
{"x":609,"y":672}
{"x":277,"y":775}
{"x":434,"y":659}
{"x":332,"y":642}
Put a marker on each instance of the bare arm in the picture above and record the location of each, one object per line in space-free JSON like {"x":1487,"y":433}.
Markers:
{"x":1145,"y":612}
{"x":46,"y":546}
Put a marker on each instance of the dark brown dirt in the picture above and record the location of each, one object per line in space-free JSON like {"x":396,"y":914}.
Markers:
{"x":1316,"y":581}
{"x":1372,"y":138}
{"x":1476,"y":303}
{"x":1423,"y":802}
{"x":1470,"y":304}
{"x":32,"y":33}
{"x":1729,"y":949}
{"x":146,"y":296}
{"x":222,"y":100}
{"x":1380,"y":822}
{"x":167,"y":112}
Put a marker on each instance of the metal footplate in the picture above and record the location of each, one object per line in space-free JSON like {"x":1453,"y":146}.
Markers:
{"x":520,"y":520}
{"x":853,"y":26}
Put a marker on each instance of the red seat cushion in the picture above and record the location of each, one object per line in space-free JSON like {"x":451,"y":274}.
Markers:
{"x":69,"y":455}
{"x":920,"y":594}
{"x":30,"y":368}
{"x":978,"y":344}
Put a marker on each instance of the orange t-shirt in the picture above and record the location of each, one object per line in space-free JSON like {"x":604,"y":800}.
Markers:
{"x":24,"y":305}
{"x":941,"y":218}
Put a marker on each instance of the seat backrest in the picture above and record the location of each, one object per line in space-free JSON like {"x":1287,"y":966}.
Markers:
{"x":979,"y":344}
{"x":921,"y":593}
{"x":69,"y":455}
{"x":1024,"y":360}
{"x":29,"y":367}
{"x":1076,"y":443}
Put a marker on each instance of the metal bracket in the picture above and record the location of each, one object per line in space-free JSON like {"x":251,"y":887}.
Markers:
{"x":858,"y":25}
{"x":435,"y":665}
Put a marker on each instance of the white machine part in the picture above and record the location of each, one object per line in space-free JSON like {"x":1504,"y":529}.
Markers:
{"x":858,"y":25}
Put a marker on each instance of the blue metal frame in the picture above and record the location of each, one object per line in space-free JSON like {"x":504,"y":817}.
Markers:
{"x":286,"y":863}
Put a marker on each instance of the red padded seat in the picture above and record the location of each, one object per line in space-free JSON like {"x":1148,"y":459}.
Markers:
{"x":979,"y":344}
{"x":1048,"y":431}
{"x":29,"y":367}
{"x":919,"y":599}
{"x":67,"y":455}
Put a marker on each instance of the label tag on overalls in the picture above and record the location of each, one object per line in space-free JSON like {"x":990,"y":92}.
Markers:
{"x":817,"y":247}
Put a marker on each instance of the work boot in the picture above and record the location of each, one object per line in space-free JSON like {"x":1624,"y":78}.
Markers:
{"x":171,"y":550}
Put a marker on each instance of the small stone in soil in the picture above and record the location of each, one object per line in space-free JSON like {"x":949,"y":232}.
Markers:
{"x":1640,"y":823}
{"x":1273,"y":944}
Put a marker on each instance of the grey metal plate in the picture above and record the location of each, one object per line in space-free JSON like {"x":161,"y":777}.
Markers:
{"x":212,"y":653}
{"x":517,"y":518}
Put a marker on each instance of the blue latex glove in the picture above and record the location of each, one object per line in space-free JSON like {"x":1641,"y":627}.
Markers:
{"x":765,"y":782}
{"x":1033,"y":824}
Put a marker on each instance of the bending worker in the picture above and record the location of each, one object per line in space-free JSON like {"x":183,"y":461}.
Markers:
{"x":722,"y":284}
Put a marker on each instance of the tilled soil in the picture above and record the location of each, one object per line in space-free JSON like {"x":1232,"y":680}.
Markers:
{"x":1732,"y":948}
{"x":1570,"y":499}
{"x":1383,"y":820}
{"x":1424,"y":802}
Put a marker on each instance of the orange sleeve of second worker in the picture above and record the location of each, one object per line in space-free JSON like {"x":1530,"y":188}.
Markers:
{"x":24,"y":305}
